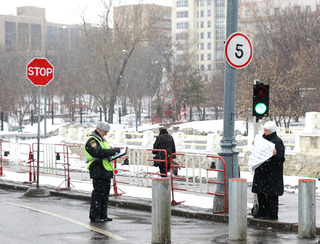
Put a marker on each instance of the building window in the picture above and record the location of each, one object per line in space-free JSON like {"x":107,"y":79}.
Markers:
{"x":182,"y":46}
{"x":201,"y":24}
{"x":219,"y":46}
{"x":182,"y":36}
{"x":220,"y":56}
{"x":182,"y":4}
{"x":52,"y":38}
{"x":23,"y":36}
{"x":202,"y":67}
{"x":209,"y":34}
{"x":201,"y":2}
{"x":183,"y":14}
{"x":220,"y":3}
{"x":10,"y":36}
{"x":209,"y":2}
{"x":182,"y":25}
{"x":209,"y":45}
{"x":35,"y":37}
{"x":308,"y":9}
{"x":220,"y":13}
{"x":247,"y":14}
{"x":209,"y":67}
{"x":202,"y":46}
{"x":202,"y":35}
{"x":220,"y":24}
{"x":220,"y":34}
{"x":201,"y":57}
{"x":209,"y":12}
{"x":209,"y":23}
{"x":209,"y":56}
{"x":202,"y":13}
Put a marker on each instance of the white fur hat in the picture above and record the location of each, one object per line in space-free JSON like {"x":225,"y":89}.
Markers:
{"x":270,"y":126}
{"x":104,"y":126}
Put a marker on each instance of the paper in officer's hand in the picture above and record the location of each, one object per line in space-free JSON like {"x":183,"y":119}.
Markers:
{"x":261,"y":151}
{"x":122,"y":152}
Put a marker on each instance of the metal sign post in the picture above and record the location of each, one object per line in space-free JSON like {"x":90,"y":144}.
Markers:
{"x":228,"y":142}
{"x":38,"y":138}
{"x":40,"y":72}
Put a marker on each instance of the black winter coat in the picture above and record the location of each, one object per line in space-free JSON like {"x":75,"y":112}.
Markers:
{"x":166,"y":142}
{"x":268,"y":177}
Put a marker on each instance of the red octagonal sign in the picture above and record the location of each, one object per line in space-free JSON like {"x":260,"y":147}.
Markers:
{"x":40,"y":71}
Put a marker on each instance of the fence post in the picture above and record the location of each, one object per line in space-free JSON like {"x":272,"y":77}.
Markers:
{"x":307,"y":209}
{"x":237,"y":209}
{"x":161,"y":210}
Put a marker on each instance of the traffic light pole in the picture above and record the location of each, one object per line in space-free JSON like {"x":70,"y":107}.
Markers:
{"x":228,"y":142}
{"x":256,"y":119}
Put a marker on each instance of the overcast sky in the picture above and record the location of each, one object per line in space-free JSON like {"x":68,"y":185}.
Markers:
{"x":69,"y":11}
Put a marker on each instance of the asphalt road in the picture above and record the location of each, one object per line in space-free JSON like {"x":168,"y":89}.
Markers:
{"x":61,"y":220}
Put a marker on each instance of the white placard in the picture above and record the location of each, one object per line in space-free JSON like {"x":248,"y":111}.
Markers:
{"x":261,"y":151}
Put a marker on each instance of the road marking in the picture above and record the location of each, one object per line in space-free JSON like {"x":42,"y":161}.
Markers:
{"x":101,"y":231}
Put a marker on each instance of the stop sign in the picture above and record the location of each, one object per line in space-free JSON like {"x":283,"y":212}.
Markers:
{"x":40,"y":71}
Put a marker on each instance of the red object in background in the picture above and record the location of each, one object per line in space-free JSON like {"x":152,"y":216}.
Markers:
{"x":184,"y":111}
{"x":168,"y":113}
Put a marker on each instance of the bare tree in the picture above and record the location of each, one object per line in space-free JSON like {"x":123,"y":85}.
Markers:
{"x":17,"y":93}
{"x":286,"y":58}
{"x":114,"y":47}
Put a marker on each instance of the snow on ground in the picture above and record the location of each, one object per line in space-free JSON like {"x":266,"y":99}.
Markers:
{"x":201,"y":201}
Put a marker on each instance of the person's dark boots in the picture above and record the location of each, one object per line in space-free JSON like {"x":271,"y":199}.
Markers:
{"x":96,"y":220}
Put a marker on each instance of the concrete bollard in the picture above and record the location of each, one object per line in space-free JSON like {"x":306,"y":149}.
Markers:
{"x":161,"y":210}
{"x":237,"y":209}
{"x":307,"y":209}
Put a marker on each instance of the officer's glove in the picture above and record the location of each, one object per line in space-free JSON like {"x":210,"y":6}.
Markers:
{"x":116,"y":151}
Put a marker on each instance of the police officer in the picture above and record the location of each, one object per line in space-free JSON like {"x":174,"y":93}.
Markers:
{"x":98,"y":154}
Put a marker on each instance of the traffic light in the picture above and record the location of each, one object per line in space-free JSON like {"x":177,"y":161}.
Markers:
{"x":260,"y":100}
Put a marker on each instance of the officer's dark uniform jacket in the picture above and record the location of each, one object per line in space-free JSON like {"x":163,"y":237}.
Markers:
{"x":98,"y":153}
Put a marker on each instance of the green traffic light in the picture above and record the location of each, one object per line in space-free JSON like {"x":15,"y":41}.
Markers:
{"x":260,"y":108}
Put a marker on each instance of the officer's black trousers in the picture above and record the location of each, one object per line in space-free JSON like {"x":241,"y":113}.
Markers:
{"x":99,"y":199}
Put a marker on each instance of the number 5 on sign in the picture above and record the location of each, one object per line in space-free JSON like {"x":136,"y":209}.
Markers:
{"x":238,"y":50}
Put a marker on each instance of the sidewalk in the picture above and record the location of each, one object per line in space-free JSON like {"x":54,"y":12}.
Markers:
{"x":288,"y":209}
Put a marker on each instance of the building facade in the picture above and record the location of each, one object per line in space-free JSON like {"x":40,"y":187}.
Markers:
{"x":148,"y":18}
{"x":199,"y":30}
{"x":251,"y":10}
{"x":29,"y":32}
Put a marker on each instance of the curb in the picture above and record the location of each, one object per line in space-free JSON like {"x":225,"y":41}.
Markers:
{"x":145,"y":205}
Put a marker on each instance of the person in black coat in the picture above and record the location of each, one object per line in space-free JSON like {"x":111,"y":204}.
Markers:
{"x":166,"y":142}
{"x":268,"y":177}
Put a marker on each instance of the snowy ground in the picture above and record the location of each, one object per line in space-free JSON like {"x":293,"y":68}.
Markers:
{"x":201,"y":201}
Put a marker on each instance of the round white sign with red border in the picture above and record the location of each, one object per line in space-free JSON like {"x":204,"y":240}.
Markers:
{"x":238,"y":50}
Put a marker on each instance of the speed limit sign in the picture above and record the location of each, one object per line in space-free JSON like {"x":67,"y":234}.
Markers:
{"x":238,"y":50}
